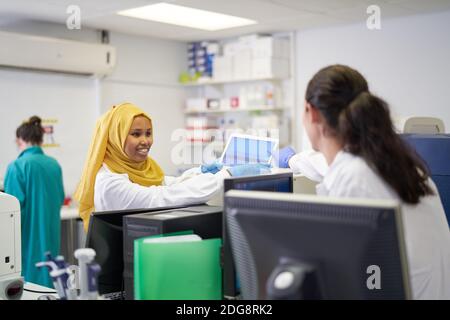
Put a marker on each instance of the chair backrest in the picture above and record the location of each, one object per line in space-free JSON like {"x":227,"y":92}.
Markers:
{"x":421,"y":125}
{"x":434,"y":149}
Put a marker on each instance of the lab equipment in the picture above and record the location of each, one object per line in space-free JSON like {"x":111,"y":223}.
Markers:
{"x":311,"y":247}
{"x":59,"y":273}
{"x":205,"y":221}
{"x":282,"y":156}
{"x":281,"y":182}
{"x":245,"y":149}
{"x":56,"y":276}
{"x":63,"y":274}
{"x":11,"y":281}
{"x":88,"y":271}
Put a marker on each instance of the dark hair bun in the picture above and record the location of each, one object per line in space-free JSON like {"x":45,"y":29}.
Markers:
{"x":35,"y":120}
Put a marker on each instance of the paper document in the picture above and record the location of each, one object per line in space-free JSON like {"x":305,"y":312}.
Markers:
{"x":184,"y":238}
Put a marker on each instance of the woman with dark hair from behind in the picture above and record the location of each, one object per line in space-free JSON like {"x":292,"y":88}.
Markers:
{"x":353,"y":130}
{"x":35,"y":179}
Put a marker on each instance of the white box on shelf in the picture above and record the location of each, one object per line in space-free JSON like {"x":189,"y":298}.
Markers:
{"x":196,"y":104}
{"x":248,"y":39}
{"x":266,"y":47}
{"x":225,"y":104}
{"x":222,"y":68}
{"x":270,"y":68}
{"x":204,"y":135}
{"x":271,"y":121}
{"x":213,"y":48}
{"x":231,"y":49}
{"x":242,"y":65}
{"x":200,"y":122}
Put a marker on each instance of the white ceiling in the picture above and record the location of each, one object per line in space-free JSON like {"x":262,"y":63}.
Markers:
{"x":272,"y":15}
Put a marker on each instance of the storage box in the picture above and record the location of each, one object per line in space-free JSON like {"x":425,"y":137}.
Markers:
{"x":200,"y":122}
{"x":267,"y":47}
{"x":242,"y":65}
{"x":225,"y":104}
{"x":222,"y":68}
{"x":196,"y":104}
{"x":270,"y":68}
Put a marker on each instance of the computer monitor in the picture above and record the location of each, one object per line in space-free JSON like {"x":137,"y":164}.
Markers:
{"x":312,"y":247}
{"x":280,"y":182}
{"x":105,"y":236}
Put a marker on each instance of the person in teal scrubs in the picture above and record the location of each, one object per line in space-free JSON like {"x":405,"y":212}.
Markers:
{"x":35,"y":179}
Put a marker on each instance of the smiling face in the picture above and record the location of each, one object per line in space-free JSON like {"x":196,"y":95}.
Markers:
{"x":139,"y":139}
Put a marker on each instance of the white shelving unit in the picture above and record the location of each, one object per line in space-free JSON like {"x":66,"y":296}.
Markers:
{"x":262,"y":109}
{"x":275,"y":119}
{"x":218,"y":83}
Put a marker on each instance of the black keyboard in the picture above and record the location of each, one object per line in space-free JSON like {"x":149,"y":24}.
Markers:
{"x":119,"y":295}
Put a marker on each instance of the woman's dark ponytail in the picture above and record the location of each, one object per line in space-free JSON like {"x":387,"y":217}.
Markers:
{"x":366,"y":127}
{"x":362,"y":122}
{"x":31,"y":131}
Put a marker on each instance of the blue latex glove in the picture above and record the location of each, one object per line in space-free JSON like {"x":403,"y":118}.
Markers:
{"x":282,"y":156}
{"x":251,"y":169}
{"x":213,"y":168}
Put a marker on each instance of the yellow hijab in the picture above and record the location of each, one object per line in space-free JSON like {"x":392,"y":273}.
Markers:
{"x":107,"y":146}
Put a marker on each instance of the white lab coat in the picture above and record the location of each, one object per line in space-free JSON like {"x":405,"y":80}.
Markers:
{"x":114,"y":191}
{"x":310,"y":163}
{"x":427,"y":235}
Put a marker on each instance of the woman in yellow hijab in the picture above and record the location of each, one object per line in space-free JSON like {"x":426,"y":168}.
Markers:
{"x":119,"y":174}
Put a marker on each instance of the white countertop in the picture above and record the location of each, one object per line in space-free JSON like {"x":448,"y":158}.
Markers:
{"x":27,"y":295}
{"x":69,"y":213}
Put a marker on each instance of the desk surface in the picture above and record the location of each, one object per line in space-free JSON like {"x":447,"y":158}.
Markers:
{"x":28,"y":295}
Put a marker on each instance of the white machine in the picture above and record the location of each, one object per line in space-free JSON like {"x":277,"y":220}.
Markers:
{"x":11,"y":281}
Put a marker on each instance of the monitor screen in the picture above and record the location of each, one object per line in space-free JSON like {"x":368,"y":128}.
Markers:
{"x":310,"y":247}
{"x":105,"y":236}
{"x":281,"y":182}
{"x":248,"y":149}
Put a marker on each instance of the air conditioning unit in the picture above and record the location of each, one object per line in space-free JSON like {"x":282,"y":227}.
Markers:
{"x":57,"y":55}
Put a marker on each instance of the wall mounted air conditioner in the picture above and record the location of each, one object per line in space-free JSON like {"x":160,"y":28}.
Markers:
{"x":57,"y":55}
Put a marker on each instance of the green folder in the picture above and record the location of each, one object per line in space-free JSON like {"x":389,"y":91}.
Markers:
{"x":177,"y":271}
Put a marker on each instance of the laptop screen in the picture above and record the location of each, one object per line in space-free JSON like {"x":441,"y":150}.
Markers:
{"x":243,"y":150}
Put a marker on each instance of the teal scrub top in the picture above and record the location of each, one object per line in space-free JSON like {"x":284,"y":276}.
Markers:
{"x":36,"y":181}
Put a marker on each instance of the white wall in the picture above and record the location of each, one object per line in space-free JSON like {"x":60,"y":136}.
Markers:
{"x":146,"y":74}
{"x":71,"y":100}
{"x":407,"y":62}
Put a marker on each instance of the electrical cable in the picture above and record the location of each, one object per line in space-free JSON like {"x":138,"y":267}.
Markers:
{"x":45,"y":292}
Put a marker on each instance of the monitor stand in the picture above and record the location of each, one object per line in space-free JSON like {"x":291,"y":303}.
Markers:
{"x":293,"y":280}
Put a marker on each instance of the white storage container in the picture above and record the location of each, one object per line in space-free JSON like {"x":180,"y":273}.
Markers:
{"x":270,"y":68}
{"x":267,"y":47}
{"x":196,"y":104}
